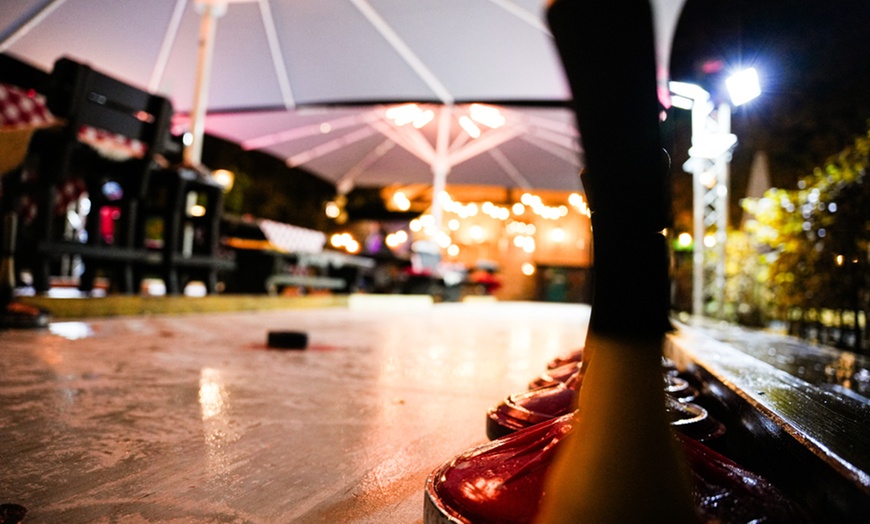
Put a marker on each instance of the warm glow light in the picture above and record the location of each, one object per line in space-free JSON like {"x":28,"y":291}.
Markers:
{"x":469,"y":126}
{"x":403,"y":114}
{"x":528,"y":269}
{"x":518,"y":209}
{"x":453,"y":250}
{"x":529,"y":246}
{"x":453,"y":224}
{"x":352,"y":246}
{"x":476,"y":233}
{"x":710,"y":240}
{"x":325,"y":127}
{"x":684,"y":239}
{"x":557,"y":234}
{"x":423,"y":118}
{"x":196,"y":210}
{"x":708,"y":179}
{"x":487,"y":115}
{"x":224,"y":178}
{"x":575,"y":199}
{"x":396,"y":239}
{"x":401,"y":201}
{"x":443,"y":240}
{"x":415,"y":225}
{"x":332,"y":210}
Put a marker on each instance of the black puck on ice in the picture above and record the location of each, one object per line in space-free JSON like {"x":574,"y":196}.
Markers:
{"x":287,"y":339}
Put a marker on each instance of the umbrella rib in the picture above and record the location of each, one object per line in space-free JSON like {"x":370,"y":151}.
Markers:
{"x":297,"y":133}
{"x":277,"y":56}
{"x":545,"y":123}
{"x":555,"y":146}
{"x":329,"y":147}
{"x":509,"y":168}
{"x":522,"y":14}
{"x":166,"y":45}
{"x":415,"y":144}
{"x":483,"y":144}
{"x":404,"y":51}
{"x":346,"y":182}
{"x":29,"y":24}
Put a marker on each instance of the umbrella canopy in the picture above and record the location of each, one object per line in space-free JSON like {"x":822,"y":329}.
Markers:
{"x":527,"y":147}
{"x":273,"y":57}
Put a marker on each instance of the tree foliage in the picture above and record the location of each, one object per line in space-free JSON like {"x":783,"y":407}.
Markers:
{"x":814,"y":241}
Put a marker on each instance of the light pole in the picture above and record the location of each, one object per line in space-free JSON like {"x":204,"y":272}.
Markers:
{"x":709,"y":160}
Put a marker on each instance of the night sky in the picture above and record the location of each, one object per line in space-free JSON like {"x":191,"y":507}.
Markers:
{"x":813,"y":58}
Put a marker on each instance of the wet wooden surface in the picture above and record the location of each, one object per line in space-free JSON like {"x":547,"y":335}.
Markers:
{"x":189,"y":418}
{"x":785,"y":421}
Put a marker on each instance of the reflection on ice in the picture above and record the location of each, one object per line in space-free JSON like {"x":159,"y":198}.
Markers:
{"x":217,"y":433}
{"x":211,"y":396}
{"x":71,"y":330}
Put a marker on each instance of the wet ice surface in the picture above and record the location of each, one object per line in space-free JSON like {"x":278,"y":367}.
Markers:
{"x":191,"y":419}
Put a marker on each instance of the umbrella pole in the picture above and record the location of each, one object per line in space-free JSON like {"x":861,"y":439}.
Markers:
{"x":440,"y":165}
{"x":210,"y":11}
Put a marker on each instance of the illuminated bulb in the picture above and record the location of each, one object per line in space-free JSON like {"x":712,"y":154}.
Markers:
{"x":518,"y":209}
{"x":557,"y":234}
{"x":404,"y":114}
{"x":476,"y":233}
{"x":487,"y":115}
{"x":528,"y":269}
{"x":423,"y":118}
{"x":443,"y":240}
{"x":469,"y":126}
{"x":453,"y":224}
{"x":529,"y":246}
{"x":453,"y":250}
{"x":710,"y":240}
{"x":401,"y":201}
{"x":196,"y":210}
{"x":708,"y":178}
{"x":575,"y":199}
{"x":743,"y":86}
{"x":224,"y":178}
{"x":684,"y":239}
{"x":332,"y":210}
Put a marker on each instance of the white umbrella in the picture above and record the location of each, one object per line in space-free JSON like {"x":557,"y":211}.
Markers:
{"x":273,"y":57}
